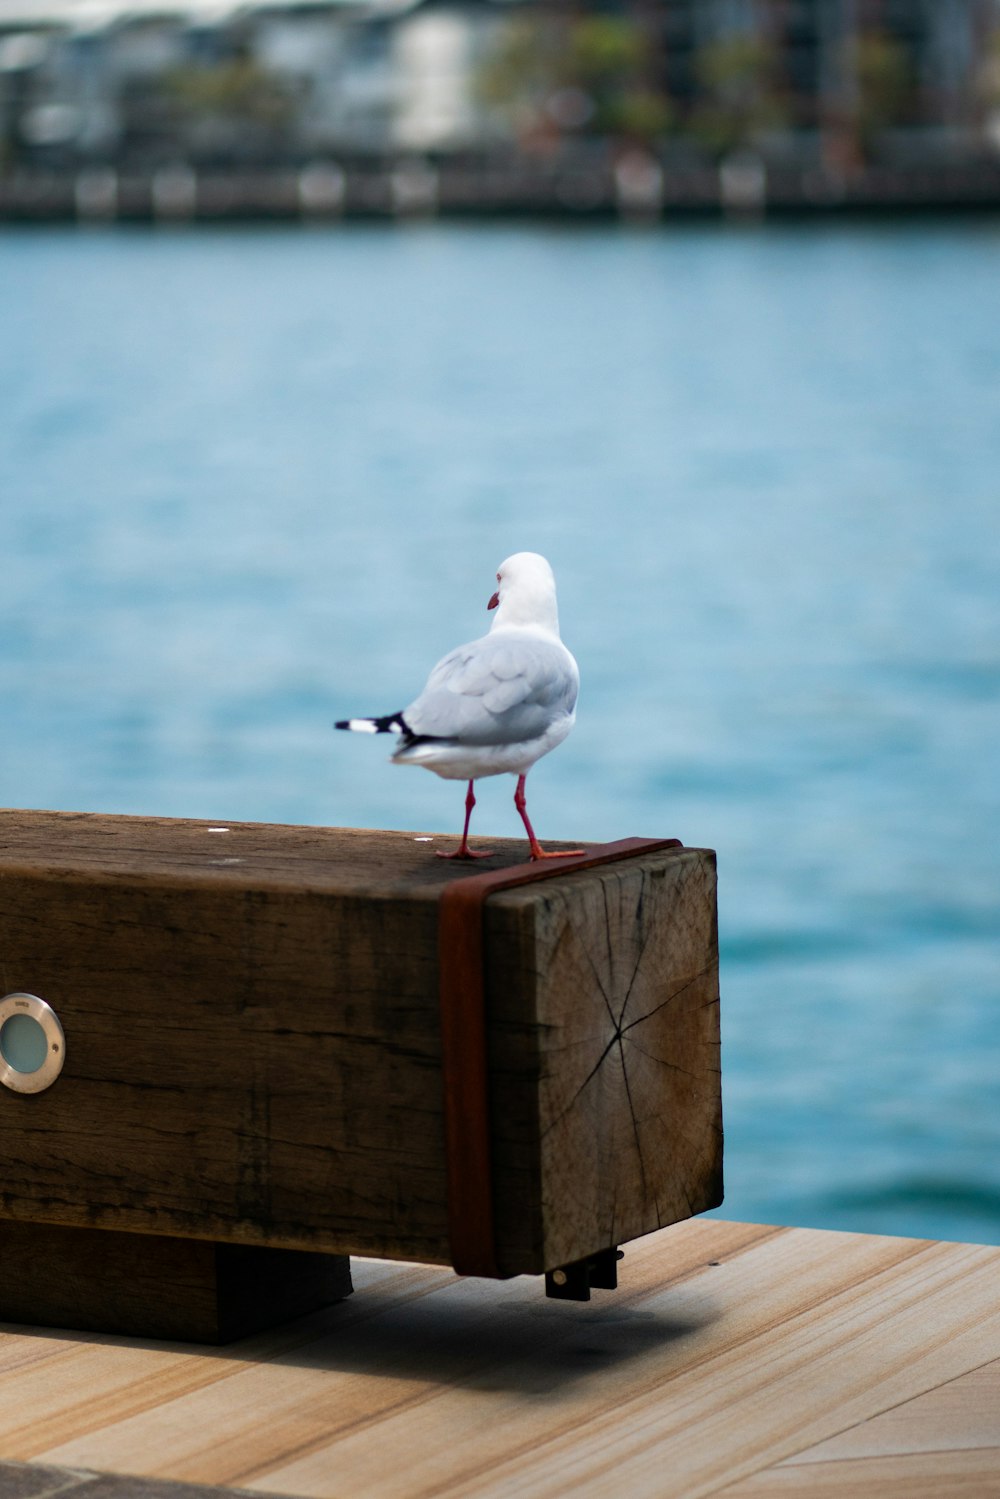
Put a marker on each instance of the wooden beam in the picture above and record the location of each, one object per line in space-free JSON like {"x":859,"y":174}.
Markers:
{"x":253,"y":1040}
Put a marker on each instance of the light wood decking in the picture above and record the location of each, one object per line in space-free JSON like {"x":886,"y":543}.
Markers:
{"x":735,"y":1359}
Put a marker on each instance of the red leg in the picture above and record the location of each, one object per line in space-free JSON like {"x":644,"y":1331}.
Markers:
{"x":537,"y":852}
{"x":463,"y":851}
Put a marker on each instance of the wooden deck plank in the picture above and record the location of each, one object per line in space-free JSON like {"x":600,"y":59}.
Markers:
{"x":57,"y":1388}
{"x":732,"y":1354}
{"x":973,"y":1473}
{"x":964,"y":1412}
{"x":781,"y":1348}
{"x":391,"y":1359}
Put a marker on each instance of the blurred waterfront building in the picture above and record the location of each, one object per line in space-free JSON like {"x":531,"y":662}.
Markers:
{"x":835,"y":83}
{"x":161,"y":79}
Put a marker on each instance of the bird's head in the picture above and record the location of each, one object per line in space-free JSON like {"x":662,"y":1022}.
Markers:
{"x":526,"y":593}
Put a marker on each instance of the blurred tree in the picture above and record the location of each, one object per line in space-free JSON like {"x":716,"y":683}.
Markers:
{"x":516,"y":72}
{"x":985,"y":93}
{"x":988,"y":75}
{"x":605,"y":50}
{"x":641,"y":115}
{"x":237,"y":87}
{"x":886,"y":87}
{"x":231,"y":107}
{"x":583,"y":75}
{"x":741,"y":93}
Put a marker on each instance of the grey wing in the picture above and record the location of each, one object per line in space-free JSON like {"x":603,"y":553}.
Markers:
{"x":496,"y":690}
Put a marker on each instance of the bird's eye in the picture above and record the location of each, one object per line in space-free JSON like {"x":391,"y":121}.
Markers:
{"x":498,"y":577}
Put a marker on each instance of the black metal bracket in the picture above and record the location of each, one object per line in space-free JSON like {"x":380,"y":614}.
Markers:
{"x":574,"y":1282}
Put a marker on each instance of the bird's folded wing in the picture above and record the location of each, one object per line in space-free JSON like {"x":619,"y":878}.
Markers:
{"x":497,"y":690}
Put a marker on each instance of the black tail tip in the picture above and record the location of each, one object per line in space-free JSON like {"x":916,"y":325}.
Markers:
{"x":343,"y":724}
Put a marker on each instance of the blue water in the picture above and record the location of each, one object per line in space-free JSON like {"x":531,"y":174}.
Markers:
{"x":254,"y":481}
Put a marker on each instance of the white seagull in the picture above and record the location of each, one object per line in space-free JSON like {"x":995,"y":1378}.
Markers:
{"x":494,"y":706}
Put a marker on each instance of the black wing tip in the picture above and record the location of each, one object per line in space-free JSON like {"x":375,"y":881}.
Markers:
{"x":389,"y":723}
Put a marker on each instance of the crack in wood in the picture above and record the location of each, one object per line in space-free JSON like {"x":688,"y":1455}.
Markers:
{"x":649,"y":1206}
{"x":643,"y":946}
{"x":607,"y":939}
{"x":709,"y":967}
{"x":576,"y":1096}
{"x":661,"y":1061}
{"x":646,"y":1193}
{"x":586,"y":952}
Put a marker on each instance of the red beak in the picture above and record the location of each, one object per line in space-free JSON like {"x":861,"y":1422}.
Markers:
{"x":494,"y":601}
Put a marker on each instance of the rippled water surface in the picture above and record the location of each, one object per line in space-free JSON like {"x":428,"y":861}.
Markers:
{"x":251,"y":482}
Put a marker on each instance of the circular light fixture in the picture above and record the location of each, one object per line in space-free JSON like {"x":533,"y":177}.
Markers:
{"x":32,"y":1044}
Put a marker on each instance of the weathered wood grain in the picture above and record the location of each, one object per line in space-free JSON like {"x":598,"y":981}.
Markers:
{"x":630,"y":1082}
{"x":729,"y":1355}
{"x":253,"y":1040}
